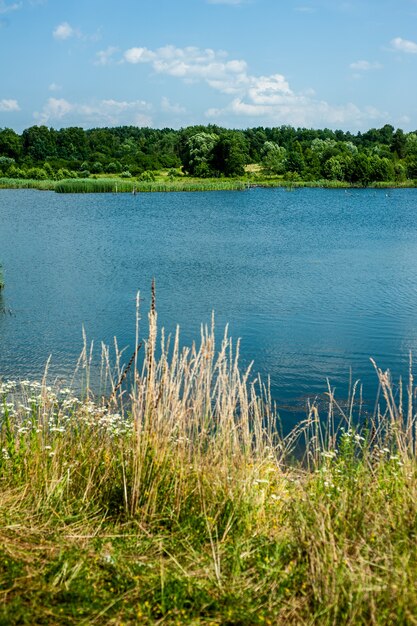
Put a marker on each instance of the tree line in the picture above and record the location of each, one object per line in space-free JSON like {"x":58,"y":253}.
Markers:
{"x":384,"y":154}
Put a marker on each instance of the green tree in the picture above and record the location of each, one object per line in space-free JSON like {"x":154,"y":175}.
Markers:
{"x":333,"y":169}
{"x":360,"y":169}
{"x":71,"y":144}
{"x":39,"y":142}
{"x":295,"y":159}
{"x":6,"y":163}
{"x":273,"y":158}
{"x":382,"y":169}
{"x":199,"y":154}
{"x":399,"y":143}
{"x":10,"y":144}
{"x":230,"y":154}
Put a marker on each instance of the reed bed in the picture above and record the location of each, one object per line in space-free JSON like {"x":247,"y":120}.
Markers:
{"x":118,"y":185}
{"x":20,"y":183}
{"x":112,"y":185}
{"x":174,"y":499}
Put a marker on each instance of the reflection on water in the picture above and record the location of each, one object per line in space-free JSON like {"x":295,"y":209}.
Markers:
{"x":314,"y":282}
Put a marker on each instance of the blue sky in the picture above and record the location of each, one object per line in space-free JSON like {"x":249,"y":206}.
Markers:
{"x":237,"y":63}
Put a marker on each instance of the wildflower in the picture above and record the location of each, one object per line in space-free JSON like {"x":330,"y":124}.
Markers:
{"x":329,"y":454}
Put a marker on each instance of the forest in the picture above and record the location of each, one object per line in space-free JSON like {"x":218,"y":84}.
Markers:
{"x":297,"y":154}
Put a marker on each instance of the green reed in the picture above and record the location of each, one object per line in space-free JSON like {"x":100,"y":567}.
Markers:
{"x":21,"y":183}
{"x":112,"y":185}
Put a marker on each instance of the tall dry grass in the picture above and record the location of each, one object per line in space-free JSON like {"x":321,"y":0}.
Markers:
{"x":174,"y":499}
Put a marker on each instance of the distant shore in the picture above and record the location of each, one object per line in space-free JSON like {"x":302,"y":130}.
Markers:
{"x":119,"y":185}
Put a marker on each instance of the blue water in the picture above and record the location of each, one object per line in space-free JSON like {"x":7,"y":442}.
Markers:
{"x":314,"y":281}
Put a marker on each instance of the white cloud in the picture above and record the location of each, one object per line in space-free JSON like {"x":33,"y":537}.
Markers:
{"x":8,"y":106}
{"x":300,"y":110}
{"x":8,"y":8}
{"x":188,"y":63}
{"x":269,"y":89}
{"x":54,"y":87}
{"x":104,"y":112}
{"x":65,"y":31}
{"x":365,"y":66}
{"x":191,"y":63}
{"x":105,"y":57}
{"x":139,"y":55}
{"x":268,"y":97}
{"x":404,"y":45}
{"x":168,"y":107}
{"x":55,"y":109}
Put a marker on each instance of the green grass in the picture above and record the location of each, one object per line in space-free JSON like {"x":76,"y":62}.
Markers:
{"x":20,"y":183}
{"x":102,"y":184}
{"x":114,"y":185}
{"x":175,"y":500}
{"x":266,"y":182}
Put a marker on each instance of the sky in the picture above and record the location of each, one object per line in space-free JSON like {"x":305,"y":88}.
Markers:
{"x":236,"y":63}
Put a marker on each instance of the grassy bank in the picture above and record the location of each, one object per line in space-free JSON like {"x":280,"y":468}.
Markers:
{"x":178,"y":502}
{"x":163,"y":184}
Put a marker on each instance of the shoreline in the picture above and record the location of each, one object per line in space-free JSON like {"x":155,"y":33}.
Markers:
{"x":117,"y":185}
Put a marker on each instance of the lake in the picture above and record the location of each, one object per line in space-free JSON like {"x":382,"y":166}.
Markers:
{"x":314,"y":282}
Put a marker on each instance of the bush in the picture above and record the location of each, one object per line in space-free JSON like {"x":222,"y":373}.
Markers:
{"x":112,"y":168}
{"x":64,"y":173}
{"x":49,"y":170}
{"x":36,"y":173}
{"x":97,"y":168}
{"x":172,"y":173}
{"x":16,"y":172}
{"x":147,"y":176}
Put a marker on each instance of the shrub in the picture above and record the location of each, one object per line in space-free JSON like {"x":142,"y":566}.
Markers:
{"x":147,"y":176}
{"x":36,"y":173}
{"x":97,"y":168}
{"x":112,"y":168}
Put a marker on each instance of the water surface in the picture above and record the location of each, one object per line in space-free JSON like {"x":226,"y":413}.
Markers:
{"x":314,"y":281}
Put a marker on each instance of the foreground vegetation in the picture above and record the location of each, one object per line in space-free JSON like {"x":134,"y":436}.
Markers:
{"x":175,"y":500}
{"x":384,"y":155}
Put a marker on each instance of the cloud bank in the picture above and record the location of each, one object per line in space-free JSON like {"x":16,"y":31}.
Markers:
{"x":253,"y":98}
{"x":104,"y":112}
